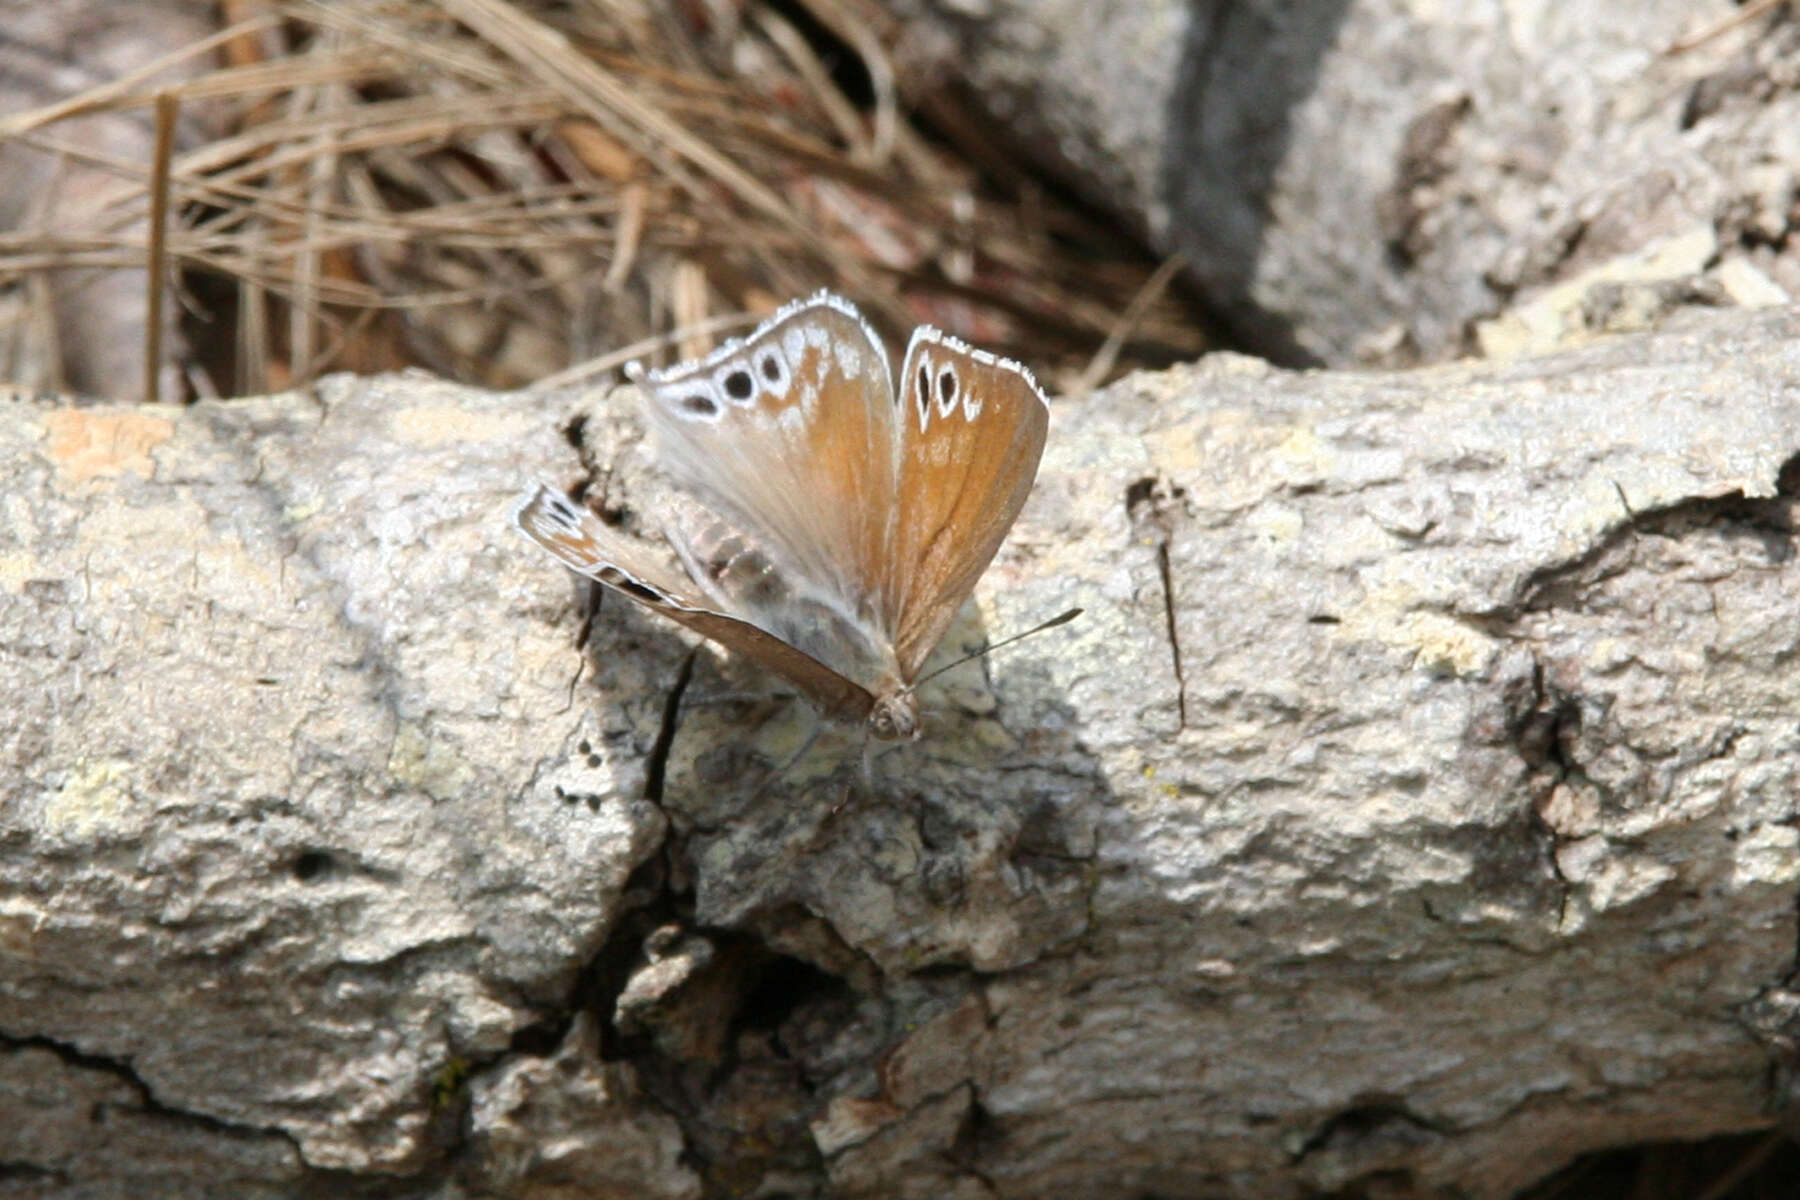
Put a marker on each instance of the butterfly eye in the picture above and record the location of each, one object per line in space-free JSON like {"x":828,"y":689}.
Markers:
{"x":739,"y":386}
{"x":947,"y":391}
{"x":700,"y":404}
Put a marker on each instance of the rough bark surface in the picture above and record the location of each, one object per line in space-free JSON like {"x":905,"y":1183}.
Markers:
{"x":1415,"y":802}
{"x":1371,"y":180}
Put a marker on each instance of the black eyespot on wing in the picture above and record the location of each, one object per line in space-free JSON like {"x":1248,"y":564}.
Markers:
{"x":923,"y":392}
{"x":771,"y":368}
{"x":700,"y":403}
{"x":947,"y":386}
{"x":739,"y":385}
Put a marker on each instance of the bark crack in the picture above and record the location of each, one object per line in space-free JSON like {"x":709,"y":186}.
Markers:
{"x":656,"y":770}
{"x":122,"y":1070}
{"x":1371,"y":1117}
{"x":1543,"y":741}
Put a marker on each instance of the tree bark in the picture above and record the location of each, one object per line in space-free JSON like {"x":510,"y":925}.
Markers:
{"x":1416,"y":800}
{"x":1375,"y":180}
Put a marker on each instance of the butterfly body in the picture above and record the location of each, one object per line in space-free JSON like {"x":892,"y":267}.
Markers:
{"x":853,"y":516}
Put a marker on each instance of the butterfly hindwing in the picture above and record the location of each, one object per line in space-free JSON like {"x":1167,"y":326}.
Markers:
{"x":576,"y":536}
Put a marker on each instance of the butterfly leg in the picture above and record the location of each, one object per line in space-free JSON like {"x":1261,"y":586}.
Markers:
{"x":703,"y":579}
{"x":865,"y":773}
{"x":793,"y":760}
{"x":723,"y":699}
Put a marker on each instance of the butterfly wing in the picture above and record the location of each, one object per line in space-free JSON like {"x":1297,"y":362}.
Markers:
{"x":972,"y":433}
{"x":876,"y":512}
{"x":790,"y":434}
{"x":576,"y":536}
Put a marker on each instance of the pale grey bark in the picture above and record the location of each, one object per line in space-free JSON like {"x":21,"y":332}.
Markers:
{"x":1418,"y":794}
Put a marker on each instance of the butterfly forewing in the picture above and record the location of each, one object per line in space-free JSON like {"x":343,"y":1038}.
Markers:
{"x":972,"y":433}
{"x":791,"y":434}
{"x":577,"y":537}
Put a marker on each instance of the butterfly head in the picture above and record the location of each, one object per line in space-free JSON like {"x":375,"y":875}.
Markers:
{"x":895,"y":717}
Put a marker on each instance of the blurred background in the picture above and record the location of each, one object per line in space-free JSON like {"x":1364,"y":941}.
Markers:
{"x":498,"y":192}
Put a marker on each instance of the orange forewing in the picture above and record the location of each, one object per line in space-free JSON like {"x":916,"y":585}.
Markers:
{"x":798,"y":444}
{"x":972,"y":434}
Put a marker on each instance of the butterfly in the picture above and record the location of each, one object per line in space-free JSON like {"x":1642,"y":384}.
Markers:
{"x":851,"y":517}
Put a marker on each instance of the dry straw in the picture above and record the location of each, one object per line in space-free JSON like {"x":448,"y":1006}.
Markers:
{"x":497,"y":190}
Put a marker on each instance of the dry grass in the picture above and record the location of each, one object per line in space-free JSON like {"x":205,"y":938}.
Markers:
{"x":496,"y":190}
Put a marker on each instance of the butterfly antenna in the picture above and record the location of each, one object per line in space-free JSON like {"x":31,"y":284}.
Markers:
{"x":1059,"y":619}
